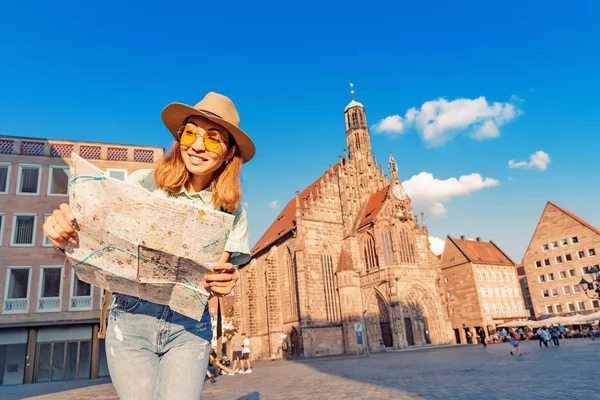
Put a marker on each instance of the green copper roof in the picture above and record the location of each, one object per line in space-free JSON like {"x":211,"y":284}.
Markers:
{"x":353,"y":103}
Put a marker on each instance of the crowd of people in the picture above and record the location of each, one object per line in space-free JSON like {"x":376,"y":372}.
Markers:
{"x":546,"y":335}
{"x":240,"y":345}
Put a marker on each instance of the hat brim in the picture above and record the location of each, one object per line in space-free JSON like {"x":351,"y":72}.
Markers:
{"x":175,"y":114}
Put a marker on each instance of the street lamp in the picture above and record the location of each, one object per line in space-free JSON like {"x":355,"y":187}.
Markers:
{"x":591,"y":289}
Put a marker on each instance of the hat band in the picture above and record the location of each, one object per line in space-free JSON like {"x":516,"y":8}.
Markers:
{"x":211,"y":113}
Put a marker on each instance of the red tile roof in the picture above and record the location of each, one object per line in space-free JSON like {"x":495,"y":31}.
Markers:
{"x":286,"y":221}
{"x":576,"y":218}
{"x":482,"y":252}
{"x":374,"y":206}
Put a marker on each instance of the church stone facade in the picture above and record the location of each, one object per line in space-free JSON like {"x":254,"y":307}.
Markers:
{"x":346,"y":249}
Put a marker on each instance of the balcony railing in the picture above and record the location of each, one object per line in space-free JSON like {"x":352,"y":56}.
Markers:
{"x":81,"y":303}
{"x":16,"y":305}
{"x":49,"y":304}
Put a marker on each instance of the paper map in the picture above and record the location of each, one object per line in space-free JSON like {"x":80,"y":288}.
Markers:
{"x":135,"y":242}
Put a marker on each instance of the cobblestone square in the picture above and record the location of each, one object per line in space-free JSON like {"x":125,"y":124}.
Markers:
{"x":457,"y":372}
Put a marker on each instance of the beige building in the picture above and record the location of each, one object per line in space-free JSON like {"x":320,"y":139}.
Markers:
{"x":348,"y":244}
{"x":562,"y":250}
{"x":481,"y":286}
{"x":49,"y":319}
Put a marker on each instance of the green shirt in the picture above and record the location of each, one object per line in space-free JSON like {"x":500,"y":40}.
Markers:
{"x":238,"y":242}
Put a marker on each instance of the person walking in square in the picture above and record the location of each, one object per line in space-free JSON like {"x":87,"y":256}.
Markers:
{"x":482,"y":337}
{"x":246,"y":355}
{"x":554,"y":333}
{"x":237,"y":346}
{"x":381,"y":345}
{"x":152,"y":351}
{"x":515,"y":339}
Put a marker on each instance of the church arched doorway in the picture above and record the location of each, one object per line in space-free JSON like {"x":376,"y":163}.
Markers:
{"x":384,"y":322}
{"x":295,"y":343}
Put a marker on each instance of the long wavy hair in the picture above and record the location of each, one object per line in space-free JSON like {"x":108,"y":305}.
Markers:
{"x":171,"y":175}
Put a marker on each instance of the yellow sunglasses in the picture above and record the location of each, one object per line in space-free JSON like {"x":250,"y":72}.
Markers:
{"x":189,"y":133}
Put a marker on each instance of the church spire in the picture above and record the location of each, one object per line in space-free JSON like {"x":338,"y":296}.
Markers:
{"x":393,"y":167}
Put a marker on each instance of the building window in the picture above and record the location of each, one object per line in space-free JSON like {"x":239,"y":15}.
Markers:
{"x":486,"y":310}
{"x":23,"y":234}
{"x":570,"y":306}
{"x":564,"y":242}
{"x":545,"y":293}
{"x":591,"y":252}
{"x":507,"y":278}
{"x":595,"y":303}
{"x":493,"y":306}
{"x":572,"y":273}
{"x":331,"y":309}
{"x":29,"y":179}
{"x":482,"y":290}
{"x":581,"y":254}
{"x":479,"y":276}
{"x":554,"y":292}
{"x":487,"y":276}
{"x":547,"y":262}
{"x":2,"y":219}
{"x":407,"y":247}
{"x":81,"y":294}
{"x":550,"y":277}
{"x":574,"y":240}
{"x":4,"y":178}
{"x":500,"y":308}
{"x":119,"y":174}
{"x":514,"y":277}
{"x":581,"y":306}
{"x":559,"y":260}
{"x":576,"y":289}
{"x":516,"y":292}
{"x":514,"y":307}
{"x":445,"y":280}
{"x":496,"y":292}
{"x":567,"y":289}
{"x":448,"y":295}
{"x":16,"y":297}
{"x":545,"y":247}
{"x":542,"y":278}
{"x":388,"y":249}
{"x":568,"y":257}
{"x":586,"y":269}
{"x":49,"y":298}
{"x":503,"y":292}
{"x":58,"y":183}
{"x":291,"y":264}
{"x":558,"y":308}
{"x":538,"y":264}
{"x":500,"y":277}
{"x":494,"y":276}
{"x":369,"y":254}
{"x":548,"y":309}
{"x":490,"y":293}
{"x":562,"y":274}
{"x":45,"y":241}
{"x":554,"y":245}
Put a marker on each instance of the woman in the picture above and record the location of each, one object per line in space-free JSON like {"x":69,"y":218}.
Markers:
{"x":153,"y":352}
{"x":514,"y":342}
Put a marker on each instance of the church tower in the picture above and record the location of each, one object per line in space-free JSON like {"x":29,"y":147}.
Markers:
{"x":357,"y":134}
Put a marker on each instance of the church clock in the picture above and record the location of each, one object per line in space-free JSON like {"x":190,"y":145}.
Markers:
{"x":399,"y":192}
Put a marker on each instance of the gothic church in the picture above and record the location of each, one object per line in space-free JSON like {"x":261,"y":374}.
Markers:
{"x":348,"y":244}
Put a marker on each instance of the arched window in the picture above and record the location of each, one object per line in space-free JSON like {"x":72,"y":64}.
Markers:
{"x":357,"y":139}
{"x":348,"y":118}
{"x":369,"y":253}
{"x":354,"y":119}
{"x":407,"y":249}
{"x":291,"y":266}
{"x":388,"y":248}
{"x":331,"y":308}
{"x":360,"y":116}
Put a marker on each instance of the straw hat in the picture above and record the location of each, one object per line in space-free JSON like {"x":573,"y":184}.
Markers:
{"x":217,"y":108}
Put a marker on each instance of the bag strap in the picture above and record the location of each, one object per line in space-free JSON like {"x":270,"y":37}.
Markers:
{"x":103,"y":314}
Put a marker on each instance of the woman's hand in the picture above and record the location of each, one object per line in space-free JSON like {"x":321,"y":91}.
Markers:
{"x":222,"y":281}
{"x":60,"y":227}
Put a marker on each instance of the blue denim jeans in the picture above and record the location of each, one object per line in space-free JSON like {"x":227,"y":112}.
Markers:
{"x":154,"y":352}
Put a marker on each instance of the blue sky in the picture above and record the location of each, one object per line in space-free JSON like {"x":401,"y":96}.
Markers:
{"x":103,"y":72}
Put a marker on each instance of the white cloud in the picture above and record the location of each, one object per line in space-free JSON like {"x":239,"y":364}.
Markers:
{"x":539,"y":159}
{"x":436,"y":245}
{"x":273,"y":204}
{"x":392,"y":125}
{"x":437,"y":121}
{"x":429,"y":193}
{"x":245,"y":205}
